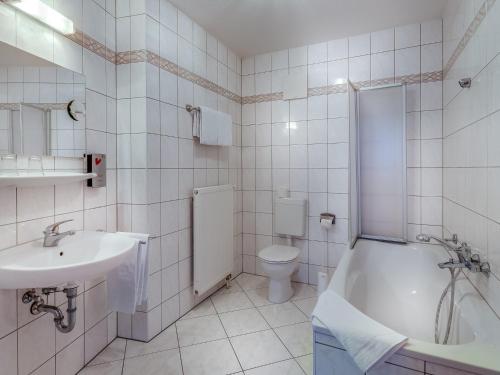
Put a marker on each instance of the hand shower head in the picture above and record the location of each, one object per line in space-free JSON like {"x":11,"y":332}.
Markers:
{"x":423,"y":237}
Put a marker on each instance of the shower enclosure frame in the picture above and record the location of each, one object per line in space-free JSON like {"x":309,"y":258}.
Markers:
{"x":404,"y":192}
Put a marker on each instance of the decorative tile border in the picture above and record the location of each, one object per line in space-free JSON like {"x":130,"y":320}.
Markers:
{"x":342,"y":88}
{"x":262,"y":98}
{"x":92,"y":45}
{"x":469,"y":33}
{"x":129,"y":57}
{"x":143,"y":55}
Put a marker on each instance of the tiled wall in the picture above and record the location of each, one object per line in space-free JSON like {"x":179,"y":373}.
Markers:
{"x":302,"y":144}
{"x":471,"y":156}
{"x":166,"y":61}
{"x":31,"y":344}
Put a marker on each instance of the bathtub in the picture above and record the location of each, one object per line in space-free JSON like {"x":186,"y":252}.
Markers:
{"x":399,"y":286}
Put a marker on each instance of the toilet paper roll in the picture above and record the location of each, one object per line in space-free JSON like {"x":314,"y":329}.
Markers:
{"x":326,"y":223}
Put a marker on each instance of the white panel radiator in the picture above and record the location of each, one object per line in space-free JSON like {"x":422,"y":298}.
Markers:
{"x":213,"y":236}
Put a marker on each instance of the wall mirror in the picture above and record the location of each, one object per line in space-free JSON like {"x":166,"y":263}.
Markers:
{"x":42,"y":107}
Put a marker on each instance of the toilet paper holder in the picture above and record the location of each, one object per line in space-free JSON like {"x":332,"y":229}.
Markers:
{"x":327,"y":216}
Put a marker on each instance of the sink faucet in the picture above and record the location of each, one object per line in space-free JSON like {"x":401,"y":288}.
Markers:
{"x":52,"y":235}
{"x":466,"y":259}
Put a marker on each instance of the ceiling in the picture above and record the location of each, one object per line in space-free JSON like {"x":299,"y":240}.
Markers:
{"x":251,"y":27}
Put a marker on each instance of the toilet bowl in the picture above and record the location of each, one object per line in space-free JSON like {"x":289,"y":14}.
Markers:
{"x":279,"y":263}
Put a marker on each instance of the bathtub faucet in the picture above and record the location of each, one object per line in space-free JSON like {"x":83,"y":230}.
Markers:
{"x":466,"y":259}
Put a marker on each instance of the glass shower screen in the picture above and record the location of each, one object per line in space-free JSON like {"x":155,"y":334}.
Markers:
{"x":381,"y":166}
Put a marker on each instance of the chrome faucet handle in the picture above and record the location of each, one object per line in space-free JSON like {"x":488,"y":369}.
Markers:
{"x":54,"y":228}
{"x":467,"y":250}
{"x":475,"y":258}
{"x":485,"y":268}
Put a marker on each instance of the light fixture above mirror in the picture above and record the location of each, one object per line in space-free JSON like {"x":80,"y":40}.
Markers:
{"x":45,"y":14}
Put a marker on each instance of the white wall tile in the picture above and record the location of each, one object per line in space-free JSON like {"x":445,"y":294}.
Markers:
{"x":8,"y":354}
{"x":359,"y":45}
{"x":40,"y":330}
{"x":407,"y":61}
{"x":382,"y":41}
{"x":338,"y":49}
{"x":359,"y":68}
{"x":407,"y":36}
{"x":432,"y":31}
{"x":382,"y":65}
{"x":317,"y":53}
{"x":263,"y":63}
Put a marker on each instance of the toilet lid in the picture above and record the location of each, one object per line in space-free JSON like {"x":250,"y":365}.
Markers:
{"x":279,"y":254}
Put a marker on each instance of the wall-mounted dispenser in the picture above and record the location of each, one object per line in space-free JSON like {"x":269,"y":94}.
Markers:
{"x":465,"y":83}
{"x":326,"y":220}
{"x":96,"y":163}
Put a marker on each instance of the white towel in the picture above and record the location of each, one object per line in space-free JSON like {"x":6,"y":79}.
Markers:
{"x":213,"y":127}
{"x":128,"y":283}
{"x":208,"y":126}
{"x":367,"y":341}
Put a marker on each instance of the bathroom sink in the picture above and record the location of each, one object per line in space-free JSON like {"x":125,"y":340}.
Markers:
{"x":85,"y":255}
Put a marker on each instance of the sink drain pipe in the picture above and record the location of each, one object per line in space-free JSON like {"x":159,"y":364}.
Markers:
{"x":38,"y":306}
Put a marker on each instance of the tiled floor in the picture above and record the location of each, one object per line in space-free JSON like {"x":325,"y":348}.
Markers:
{"x":235,"y":331}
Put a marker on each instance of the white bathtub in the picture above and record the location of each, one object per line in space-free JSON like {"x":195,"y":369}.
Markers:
{"x":400,"y":286}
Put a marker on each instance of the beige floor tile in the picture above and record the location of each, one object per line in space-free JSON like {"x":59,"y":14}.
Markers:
{"x":307,"y":363}
{"x":205,"y":348}
{"x":203,"y":309}
{"x":164,"y":363}
{"x":110,"y":368}
{"x":113,"y":352}
{"x":198,"y":330}
{"x":302,"y":291}
{"x":164,"y":341}
{"x":282,"y":314}
{"x":248,"y":281}
{"x":258,"y":349}
{"x":306,"y":305}
{"x":211,"y":358}
{"x":297,"y":338}
{"x":231,"y":302}
{"x":243,"y":321}
{"x":259,"y":296}
{"x":234,"y":287}
{"x":289,"y":367}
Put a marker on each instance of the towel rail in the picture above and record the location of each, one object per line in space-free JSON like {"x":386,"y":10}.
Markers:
{"x":191,"y":108}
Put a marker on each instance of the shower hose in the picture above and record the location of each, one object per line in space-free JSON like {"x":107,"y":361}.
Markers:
{"x":451,"y":286}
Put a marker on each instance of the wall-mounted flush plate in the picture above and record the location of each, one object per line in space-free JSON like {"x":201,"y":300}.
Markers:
{"x":96,"y":163}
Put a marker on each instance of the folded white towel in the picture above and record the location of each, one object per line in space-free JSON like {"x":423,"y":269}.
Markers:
{"x":208,"y":126}
{"x":367,"y":341}
{"x":213,"y":127}
{"x":128,"y":283}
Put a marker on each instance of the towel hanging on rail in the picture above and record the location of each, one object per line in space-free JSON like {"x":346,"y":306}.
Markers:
{"x":128,"y":284}
{"x":211,"y":127}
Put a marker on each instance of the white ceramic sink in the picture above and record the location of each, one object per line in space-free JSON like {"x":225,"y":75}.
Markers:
{"x":83,"y":256}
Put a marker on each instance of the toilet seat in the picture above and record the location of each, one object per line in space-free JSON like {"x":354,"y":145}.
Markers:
{"x":279,"y":254}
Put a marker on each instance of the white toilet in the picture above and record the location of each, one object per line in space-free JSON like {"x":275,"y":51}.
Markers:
{"x":280,"y":261}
